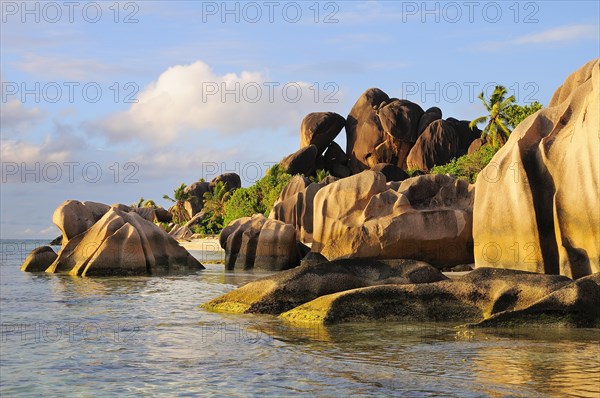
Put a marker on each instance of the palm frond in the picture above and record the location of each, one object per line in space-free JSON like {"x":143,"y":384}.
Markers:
{"x":475,"y":122}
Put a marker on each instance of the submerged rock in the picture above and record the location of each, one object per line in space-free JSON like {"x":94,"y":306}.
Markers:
{"x":486,"y":297}
{"x":39,"y":259}
{"x":286,"y":290}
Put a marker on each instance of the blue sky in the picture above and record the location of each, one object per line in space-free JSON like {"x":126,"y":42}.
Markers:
{"x":223,"y":87}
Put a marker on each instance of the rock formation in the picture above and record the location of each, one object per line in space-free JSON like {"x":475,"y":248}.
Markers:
{"x":380,"y":130}
{"x":231,"y":180}
{"x":123,"y":243}
{"x":74,"y":217}
{"x":536,"y":203}
{"x":284,"y":291}
{"x":295,"y":205}
{"x":197,"y":189}
{"x":426,"y":218}
{"x":302,"y":161}
{"x":391,"y":172}
{"x":485,"y":297}
{"x":39,"y":259}
{"x":260,"y":243}
{"x":320,"y":129}
{"x":102,"y":240}
{"x":366,"y":290}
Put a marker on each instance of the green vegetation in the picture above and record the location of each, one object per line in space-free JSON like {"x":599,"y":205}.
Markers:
{"x":503,"y":115}
{"x":320,"y":175}
{"x":517,"y":113}
{"x":144,"y":203}
{"x":214,"y":207}
{"x":496,"y":131}
{"x":468,"y":167}
{"x":258,"y":198}
{"x":180,"y":196}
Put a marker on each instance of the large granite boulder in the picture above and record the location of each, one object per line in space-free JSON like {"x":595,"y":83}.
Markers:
{"x":320,"y":129}
{"x":286,"y":290}
{"x":436,"y":146}
{"x":336,"y":161}
{"x":476,"y":145}
{"x":432,"y":114}
{"x":303,"y":161}
{"x":486,"y":297}
{"x":163,"y":215}
{"x":39,"y":259}
{"x":465,"y":134}
{"x":391,"y":172}
{"x":231,"y":180}
{"x":181,"y":232}
{"x":197,"y":190}
{"x":120,"y":244}
{"x":74,"y":217}
{"x":295,"y":205}
{"x":260,"y":243}
{"x":380,"y":130}
{"x":536,"y":203}
{"x":427,"y":218}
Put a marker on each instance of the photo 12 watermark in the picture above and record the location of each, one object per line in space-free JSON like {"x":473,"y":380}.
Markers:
{"x":271,"y":92}
{"x":454,"y":92}
{"x":252,"y":12}
{"x":69,"y":172}
{"x":526,"y":12}
{"x":69,"y":332}
{"x":248,"y":171}
{"x":60,"y":12}
{"x":69,"y":91}
{"x":254,"y":333}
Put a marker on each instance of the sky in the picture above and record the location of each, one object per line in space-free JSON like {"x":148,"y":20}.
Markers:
{"x":111,"y":101}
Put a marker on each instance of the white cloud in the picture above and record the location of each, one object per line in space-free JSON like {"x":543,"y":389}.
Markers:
{"x":193,"y":98}
{"x":17,"y":119}
{"x":71,"y":69}
{"x":560,"y":34}
{"x":18,"y":151}
{"x":52,"y":230}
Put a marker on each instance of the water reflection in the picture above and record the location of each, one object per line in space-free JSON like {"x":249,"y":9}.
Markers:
{"x":148,"y":335}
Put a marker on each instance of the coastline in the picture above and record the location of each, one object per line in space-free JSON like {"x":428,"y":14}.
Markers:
{"x":206,"y":244}
{"x":206,"y":250}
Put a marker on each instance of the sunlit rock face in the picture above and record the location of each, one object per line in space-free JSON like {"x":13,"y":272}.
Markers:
{"x":537,"y":203}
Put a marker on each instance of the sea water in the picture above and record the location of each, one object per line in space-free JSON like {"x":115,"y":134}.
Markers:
{"x":84,"y":337}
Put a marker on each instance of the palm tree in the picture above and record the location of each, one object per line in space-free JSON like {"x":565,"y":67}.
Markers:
{"x":144,"y":203}
{"x":180,"y":196}
{"x":214,"y":202}
{"x":138,"y":204}
{"x":150,"y":204}
{"x":496,"y":131}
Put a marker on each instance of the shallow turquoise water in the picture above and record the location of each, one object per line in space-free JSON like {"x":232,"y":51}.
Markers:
{"x":64,"y":336}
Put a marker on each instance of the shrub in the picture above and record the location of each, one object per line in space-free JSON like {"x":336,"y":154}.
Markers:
{"x":468,"y":167}
{"x":258,"y":198}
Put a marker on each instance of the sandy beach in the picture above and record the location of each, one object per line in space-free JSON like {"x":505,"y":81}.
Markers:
{"x":205,"y":250}
{"x":204,"y":244}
